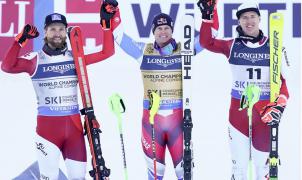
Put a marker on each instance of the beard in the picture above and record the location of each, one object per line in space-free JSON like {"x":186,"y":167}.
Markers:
{"x":57,"y":45}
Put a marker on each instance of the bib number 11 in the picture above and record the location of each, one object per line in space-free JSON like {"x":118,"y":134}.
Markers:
{"x":251,"y":73}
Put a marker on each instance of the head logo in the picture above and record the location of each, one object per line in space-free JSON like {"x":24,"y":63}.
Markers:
{"x":188,"y":46}
{"x":187,"y":35}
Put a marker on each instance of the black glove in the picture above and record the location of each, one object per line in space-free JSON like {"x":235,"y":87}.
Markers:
{"x":206,"y":8}
{"x":28,"y":32}
{"x":107,"y":11}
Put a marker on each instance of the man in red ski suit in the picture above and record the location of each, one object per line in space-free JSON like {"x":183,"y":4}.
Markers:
{"x":52,"y":71}
{"x":248,"y":56}
{"x":160,"y":65}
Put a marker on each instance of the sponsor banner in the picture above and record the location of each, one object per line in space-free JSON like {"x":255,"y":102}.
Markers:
{"x":136,"y":17}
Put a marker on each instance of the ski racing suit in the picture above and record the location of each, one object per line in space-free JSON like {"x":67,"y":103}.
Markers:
{"x":246,"y":58}
{"x":161,"y":72}
{"x":59,"y":128}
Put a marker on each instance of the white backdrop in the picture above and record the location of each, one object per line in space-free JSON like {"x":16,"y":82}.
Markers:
{"x":120,"y":73}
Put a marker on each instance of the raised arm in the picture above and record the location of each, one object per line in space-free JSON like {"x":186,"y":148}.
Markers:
{"x":106,"y":52}
{"x":107,"y":11}
{"x":210,"y":43}
{"x":131,"y":47}
{"x":210,"y":23}
{"x":14,"y":64}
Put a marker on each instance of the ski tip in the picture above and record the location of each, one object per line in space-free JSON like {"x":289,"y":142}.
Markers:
{"x":276,"y":16}
{"x":71,"y":28}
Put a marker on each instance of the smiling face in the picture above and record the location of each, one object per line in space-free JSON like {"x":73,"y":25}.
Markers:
{"x":249,"y":21}
{"x":55,"y":35}
{"x":162,"y":35}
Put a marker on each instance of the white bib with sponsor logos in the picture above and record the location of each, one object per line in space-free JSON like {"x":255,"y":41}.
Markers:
{"x":250,"y":65}
{"x":55,"y":84}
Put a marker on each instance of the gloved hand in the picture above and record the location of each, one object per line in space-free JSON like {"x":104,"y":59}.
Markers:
{"x":107,"y":11}
{"x":28,"y":32}
{"x":116,"y":20}
{"x":206,"y":8}
{"x":272,"y":112}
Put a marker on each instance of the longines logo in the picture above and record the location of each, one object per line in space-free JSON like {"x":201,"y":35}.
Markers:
{"x":253,"y":57}
{"x":163,"y":62}
{"x":59,"y":68}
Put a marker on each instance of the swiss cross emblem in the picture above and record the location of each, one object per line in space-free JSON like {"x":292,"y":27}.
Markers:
{"x":162,"y":21}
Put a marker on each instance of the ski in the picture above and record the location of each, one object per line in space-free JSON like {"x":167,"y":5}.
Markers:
{"x":276,"y":35}
{"x":187,"y":52}
{"x":91,"y":125}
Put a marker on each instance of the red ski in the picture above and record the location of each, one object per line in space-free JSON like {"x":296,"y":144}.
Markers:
{"x":91,"y":125}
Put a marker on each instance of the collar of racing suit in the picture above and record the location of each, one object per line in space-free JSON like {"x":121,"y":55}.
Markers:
{"x":245,"y":37}
{"x":57,"y":51}
{"x":167,"y":49}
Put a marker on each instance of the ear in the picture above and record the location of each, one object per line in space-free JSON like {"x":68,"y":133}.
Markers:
{"x":45,"y":32}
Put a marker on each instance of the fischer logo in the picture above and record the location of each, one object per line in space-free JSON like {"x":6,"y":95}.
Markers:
{"x":59,"y":68}
{"x":41,"y":147}
{"x":253,"y":57}
{"x":275,"y":57}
